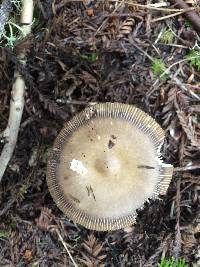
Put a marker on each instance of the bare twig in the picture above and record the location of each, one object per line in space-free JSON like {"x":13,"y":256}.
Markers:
{"x":164,"y":9}
{"x":182,"y":86}
{"x":177,"y":243}
{"x":65,"y":246}
{"x":75,"y":102}
{"x":187,"y":168}
{"x":173,"y":45}
{"x":17,"y":95}
{"x":168,"y":16}
{"x":155,"y":7}
{"x":5,"y":9}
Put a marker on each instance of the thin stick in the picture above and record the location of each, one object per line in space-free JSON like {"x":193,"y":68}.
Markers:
{"x":65,"y":246}
{"x":17,"y":95}
{"x":159,"y":8}
{"x":177,"y":243}
{"x":173,"y":45}
{"x":152,"y":7}
{"x":187,"y":168}
{"x":168,"y":16}
{"x":75,"y":102}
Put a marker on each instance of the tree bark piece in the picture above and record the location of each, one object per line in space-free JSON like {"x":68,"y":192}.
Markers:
{"x":190,"y":15}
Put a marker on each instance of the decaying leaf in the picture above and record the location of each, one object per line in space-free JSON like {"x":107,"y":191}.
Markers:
{"x":28,"y":255}
{"x":92,"y":252}
{"x":126,"y":28}
{"x":46,"y":220}
{"x":186,"y":122}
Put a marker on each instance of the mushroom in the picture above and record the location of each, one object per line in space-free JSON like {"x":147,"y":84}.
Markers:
{"x":105,"y":164}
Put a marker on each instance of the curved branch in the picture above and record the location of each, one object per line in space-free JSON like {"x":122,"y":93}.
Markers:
{"x":17,"y":94}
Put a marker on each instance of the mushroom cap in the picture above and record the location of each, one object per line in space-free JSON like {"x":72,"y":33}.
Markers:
{"x":105,"y":164}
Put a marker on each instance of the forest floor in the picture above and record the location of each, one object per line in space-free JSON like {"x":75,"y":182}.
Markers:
{"x":108,"y":51}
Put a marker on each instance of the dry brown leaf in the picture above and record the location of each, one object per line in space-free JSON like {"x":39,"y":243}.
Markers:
{"x":88,"y":248}
{"x":97,"y":250}
{"x":126,"y":28}
{"x":189,"y":241}
{"x":188,"y":128}
{"x":46,"y":219}
{"x":90,"y":12}
{"x":133,"y":8}
{"x":92,"y":256}
{"x":28,"y":255}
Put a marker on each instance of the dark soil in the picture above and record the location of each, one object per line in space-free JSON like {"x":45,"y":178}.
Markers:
{"x":75,"y":59}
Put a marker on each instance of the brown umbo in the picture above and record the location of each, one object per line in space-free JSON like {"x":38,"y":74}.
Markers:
{"x":105,"y":164}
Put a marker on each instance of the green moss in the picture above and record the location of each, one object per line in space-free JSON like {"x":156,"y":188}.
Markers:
{"x":4,"y":234}
{"x":158,"y":68}
{"x":188,"y":24}
{"x":92,"y":57}
{"x":172,"y":262}
{"x":194,"y":58}
{"x":167,"y":36}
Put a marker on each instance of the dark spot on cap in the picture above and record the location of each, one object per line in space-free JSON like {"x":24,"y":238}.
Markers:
{"x":110,"y":144}
{"x":113,"y":136}
{"x":145,"y":167}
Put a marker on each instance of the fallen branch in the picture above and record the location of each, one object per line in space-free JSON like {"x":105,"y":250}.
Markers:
{"x":5,"y":10}
{"x":190,"y":15}
{"x":17,"y":94}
